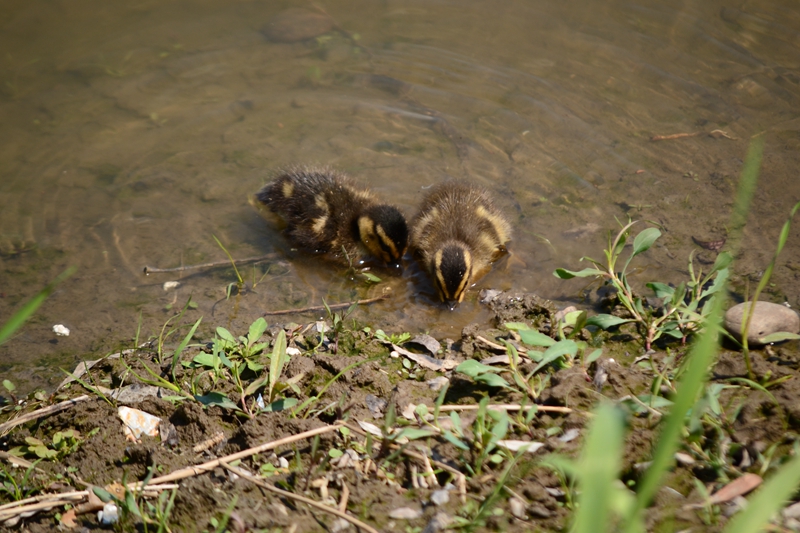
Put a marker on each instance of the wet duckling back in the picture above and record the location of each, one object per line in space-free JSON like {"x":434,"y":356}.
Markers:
{"x":325,"y":212}
{"x":457,"y":234}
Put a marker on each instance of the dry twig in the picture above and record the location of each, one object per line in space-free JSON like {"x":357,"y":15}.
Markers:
{"x":196,"y":470}
{"x":291,"y":495}
{"x":317,"y":308}
{"x":44,"y":411}
{"x":154,"y":270}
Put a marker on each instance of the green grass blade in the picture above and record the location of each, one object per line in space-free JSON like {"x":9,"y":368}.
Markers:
{"x":701,"y":358}
{"x":182,"y":346}
{"x":599,"y":468}
{"x":20,"y":317}
{"x":771,"y":497}
{"x":276,"y":361}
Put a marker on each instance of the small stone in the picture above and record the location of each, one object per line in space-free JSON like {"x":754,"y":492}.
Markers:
{"x":439,"y":522}
{"x":440,"y":497}
{"x":767,"y":318}
{"x":340,"y":525}
{"x":405,"y":513}
{"x":168,"y":285}
{"x":517,"y":508}
{"x":436,"y":384}
{"x":61,"y":330}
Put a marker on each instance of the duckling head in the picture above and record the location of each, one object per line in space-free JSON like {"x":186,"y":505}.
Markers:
{"x":452,"y":270}
{"x":384,"y":232}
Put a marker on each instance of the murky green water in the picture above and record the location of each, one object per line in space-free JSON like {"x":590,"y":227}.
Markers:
{"x":133,"y":132}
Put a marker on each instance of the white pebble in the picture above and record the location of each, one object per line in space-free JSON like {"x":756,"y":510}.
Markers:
{"x":171,"y":285}
{"x":283,"y":462}
{"x":293,"y":351}
{"x":61,"y":330}
{"x":109,"y":514}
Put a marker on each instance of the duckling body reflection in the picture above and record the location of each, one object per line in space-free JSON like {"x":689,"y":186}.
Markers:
{"x":325,"y":212}
{"x":457,"y":234}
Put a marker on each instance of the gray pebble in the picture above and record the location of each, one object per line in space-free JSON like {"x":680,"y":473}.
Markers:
{"x":440,"y":497}
{"x":767,"y":318}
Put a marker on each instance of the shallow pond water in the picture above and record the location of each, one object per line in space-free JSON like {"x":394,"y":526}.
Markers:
{"x":132,"y":133}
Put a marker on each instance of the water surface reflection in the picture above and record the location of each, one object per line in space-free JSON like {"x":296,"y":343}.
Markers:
{"x":132,"y":133}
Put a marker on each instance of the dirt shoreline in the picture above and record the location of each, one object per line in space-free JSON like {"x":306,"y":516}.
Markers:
{"x":387,"y":489}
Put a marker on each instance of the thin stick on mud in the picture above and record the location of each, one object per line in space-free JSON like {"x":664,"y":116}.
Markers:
{"x":418,"y":456}
{"x":505,"y":407}
{"x":291,"y":495}
{"x":713,"y":133}
{"x":196,"y":470}
{"x":154,"y":270}
{"x":44,"y":411}
{"x":318,"y":308}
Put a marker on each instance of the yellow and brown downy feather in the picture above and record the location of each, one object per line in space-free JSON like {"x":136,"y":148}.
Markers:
{"x":326,"y":213}
{"x":457,"y":234}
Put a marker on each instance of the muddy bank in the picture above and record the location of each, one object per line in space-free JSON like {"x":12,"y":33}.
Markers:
{"x":345,"y":383}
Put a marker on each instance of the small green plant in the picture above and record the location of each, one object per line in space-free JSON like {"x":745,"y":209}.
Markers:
{"x":18,"y":489}
{"x":394,"y":338}
{"x":63,"y":444}
{"x":682,"y":312}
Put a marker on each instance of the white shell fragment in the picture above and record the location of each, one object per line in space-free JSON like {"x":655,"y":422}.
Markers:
{"x":405,"y":513}
{"x":109,"y":514}
{"x":293,"y":351}
{"x":61,"y":330}
{"x":137,"y":423}
{"x":518,"y":445}
{"x":168,"y":285}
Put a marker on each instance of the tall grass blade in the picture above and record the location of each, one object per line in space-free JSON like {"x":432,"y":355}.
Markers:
{"x":599,"y":467}
{"x":20,"y":317}
{"x":182,"y":346}
{"x":701,"y":358}
{"x":276,"y":361}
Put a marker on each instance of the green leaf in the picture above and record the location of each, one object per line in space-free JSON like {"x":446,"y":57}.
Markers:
{"x":662,"y":290}
{"x":534,"y":338}
{"x":556,"y":351}
{"x":414,"y":433}
{"x":723,"y":260}
{"x":592,"y":357}
{"x":257,"y":329}
{"x":493,"y":380}
{"x":102,"y":493}
{"x":604,"y":321}
{"x":227,"y":336}
{"x":455,"y":441}
{"x":517,"y":326}
{"x":473,"y":368}
{"x":10,"y":387}
{"x":644,"y":240}
{"x":280,"y":405}
{"x":778,"y":337}
{"x":569,"y":274}
{"x":205,"y":359}
{"x":217,"y":399}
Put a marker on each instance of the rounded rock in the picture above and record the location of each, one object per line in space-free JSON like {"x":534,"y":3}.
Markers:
{"x":767,"y":318}
{"x":297,"y":24}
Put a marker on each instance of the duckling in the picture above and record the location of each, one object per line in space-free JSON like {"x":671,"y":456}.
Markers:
{"x":325,"y":212}
{"x":457,"y":234}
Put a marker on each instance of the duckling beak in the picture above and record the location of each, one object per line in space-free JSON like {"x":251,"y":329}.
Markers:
{"x":395,"y":267}
{"x":452,"y":304}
